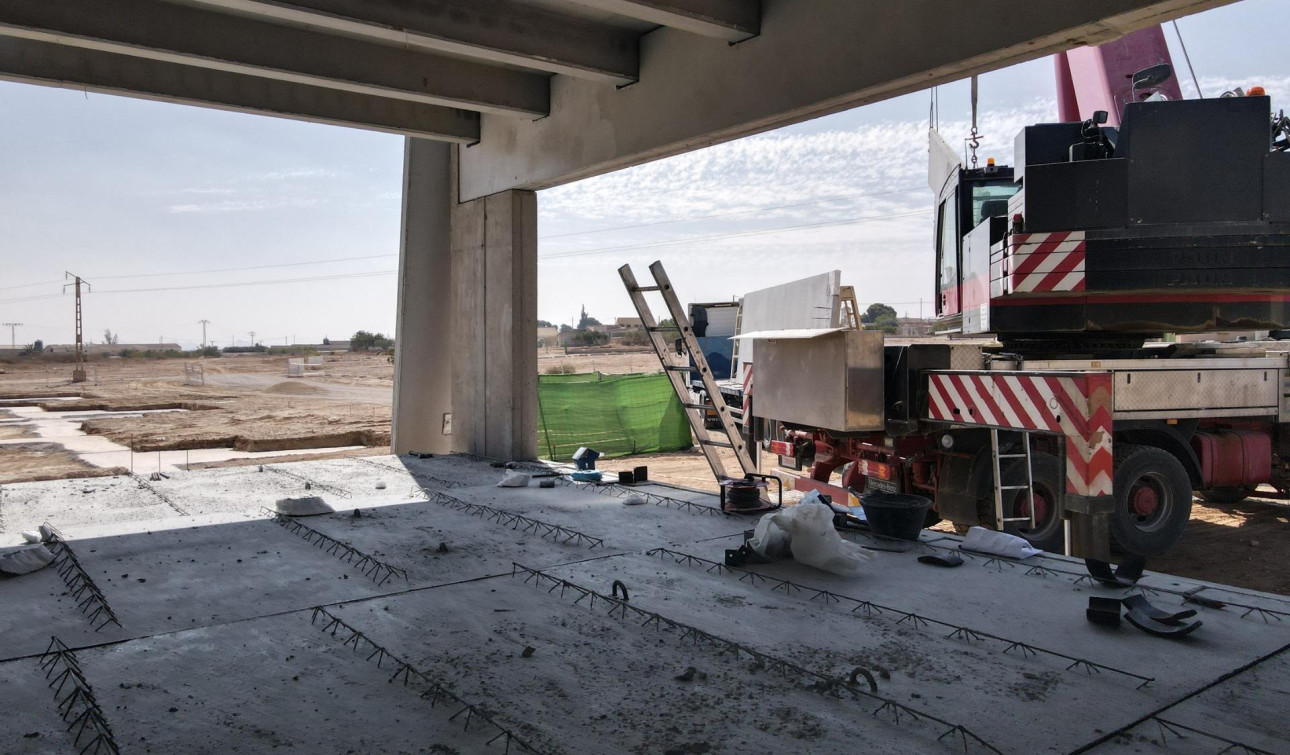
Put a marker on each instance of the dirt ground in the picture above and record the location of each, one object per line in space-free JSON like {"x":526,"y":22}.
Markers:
{"x":249,"y":403}
{"x":33,"y":462}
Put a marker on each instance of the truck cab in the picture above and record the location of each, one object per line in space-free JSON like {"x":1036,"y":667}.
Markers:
{"x":971,"y":217}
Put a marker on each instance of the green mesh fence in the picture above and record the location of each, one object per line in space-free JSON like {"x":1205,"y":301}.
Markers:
{"x":614,"y":414}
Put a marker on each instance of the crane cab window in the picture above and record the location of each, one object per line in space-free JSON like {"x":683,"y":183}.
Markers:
{"x":991,"y":199}
{"x":947,"y":250}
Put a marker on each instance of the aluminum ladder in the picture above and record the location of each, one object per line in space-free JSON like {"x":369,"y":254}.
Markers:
{"x":734,"y":349}
{"x":999,"y":487}
{"x":678,"y":369}
{"x":850,"y":314}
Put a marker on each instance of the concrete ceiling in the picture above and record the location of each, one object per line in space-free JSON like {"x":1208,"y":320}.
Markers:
{"x":544,"y":91}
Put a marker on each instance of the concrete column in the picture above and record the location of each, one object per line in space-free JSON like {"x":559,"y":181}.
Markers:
{"x":494,"y":280}
{"x":423,"y":355}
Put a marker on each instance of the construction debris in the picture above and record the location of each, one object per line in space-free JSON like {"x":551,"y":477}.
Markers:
{"x":25,"y":560}
{"x":307,"y":506}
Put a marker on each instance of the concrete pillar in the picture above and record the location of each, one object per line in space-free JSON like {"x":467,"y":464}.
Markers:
{"x":494,"y":279}
{"x":423,"y":353}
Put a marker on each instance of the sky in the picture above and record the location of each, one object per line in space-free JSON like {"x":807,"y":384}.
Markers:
{"x":176,"y":214}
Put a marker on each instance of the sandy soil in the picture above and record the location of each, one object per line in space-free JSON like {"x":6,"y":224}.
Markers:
{"x":255,"y":407}
{"x":8,"y":432}
{"x":33,"y":462}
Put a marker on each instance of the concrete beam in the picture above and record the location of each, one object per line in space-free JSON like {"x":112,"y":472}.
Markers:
{"x":494,"y":280}
{"x":422,"y":354}
{"x":731,"y":20}
{"x":204,"y":38}
{"x":812,"y":58}
{"x":492,"y":30}
{"x":48,"y":64}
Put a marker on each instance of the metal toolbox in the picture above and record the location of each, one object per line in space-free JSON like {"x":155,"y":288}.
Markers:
{"x":831,"y":379}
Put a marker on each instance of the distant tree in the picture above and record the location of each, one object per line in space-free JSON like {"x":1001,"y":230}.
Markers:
{"x":875,"y":311}
{"x":585,"y":320}
{"x":365,"y":341}
{"x":886,"y":323}
{"x":635,"y":338}
{"x":109,"y":337}
{"x":326,"y":341}
{"x":565,"y":327}
{"x":38,"y":346}
{"x":590,"y":338}
{"x":544,"y":324}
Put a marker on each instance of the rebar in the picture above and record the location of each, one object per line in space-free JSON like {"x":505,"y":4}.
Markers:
{"x":75,"y":699}
{"x":555,"y":532}
{"x":618,"y":491}
{"x":1167,"y":728}
{"x":164,"y":498}
{"x":808,"y":679}
{"x":89,"y":598}
{"x":415,"y":475}
{"x":377,"y":570}
{"x":309,"y":482}
{"x":956,"y":631}
{"x":435,"y":690}
{"x":1269,"y":615}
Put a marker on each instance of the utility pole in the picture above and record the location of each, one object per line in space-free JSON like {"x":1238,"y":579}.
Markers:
{"x":251,"y":333}
{"x":204,"y":324}
{"x":13,"y":329}
{"x":78,"y":372}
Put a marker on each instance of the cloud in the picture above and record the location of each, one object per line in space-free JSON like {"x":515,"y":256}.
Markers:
{"x":234,"y":205}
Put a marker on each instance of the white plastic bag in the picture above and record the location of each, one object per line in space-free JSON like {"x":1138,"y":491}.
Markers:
{"x":806,"y":530}
{"x":996,"y":543}
{"x":514,"y":479}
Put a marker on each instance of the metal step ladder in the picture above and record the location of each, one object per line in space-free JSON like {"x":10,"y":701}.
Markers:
{"x":999,"y":487}
{"x":734,"y":349}
{"x":850,"y":315}
{"x":677,"y":365}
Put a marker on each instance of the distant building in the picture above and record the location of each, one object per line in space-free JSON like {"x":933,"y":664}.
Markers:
{"x":331,"y":345}
{"x":549,"y":336}
{"x":111,"y":348}
{"x":628,"y":323}
{"x":913,"y":326}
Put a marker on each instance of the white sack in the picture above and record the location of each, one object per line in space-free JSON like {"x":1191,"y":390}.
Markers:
{"x":806,"y":530}
{"x":997,"y":543}
{"x":26,"y":560}
{"x":514,"y":479}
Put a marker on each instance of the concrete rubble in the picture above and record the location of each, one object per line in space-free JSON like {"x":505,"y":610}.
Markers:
{"x":445,"y":614}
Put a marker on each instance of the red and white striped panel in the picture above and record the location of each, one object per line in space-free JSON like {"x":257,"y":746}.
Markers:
{"x":748,"y":384}
{"x":1076,"y":405}
{"x":1044,"y":262}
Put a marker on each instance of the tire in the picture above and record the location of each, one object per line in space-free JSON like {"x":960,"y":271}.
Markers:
{"x":1227,"y":495}
{"x":1152,"y":500}
{"x":1050,"y":480}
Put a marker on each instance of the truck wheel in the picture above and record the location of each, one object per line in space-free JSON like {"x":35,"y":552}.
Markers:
{"x":1050,"y":479}
{"x":1152,"y":500}
{"x":1228,"y":494}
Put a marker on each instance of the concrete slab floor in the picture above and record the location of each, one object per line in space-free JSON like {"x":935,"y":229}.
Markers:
{"x":219,"y":648}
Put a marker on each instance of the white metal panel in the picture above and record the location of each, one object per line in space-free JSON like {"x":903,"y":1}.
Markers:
{"x":809,"y":303}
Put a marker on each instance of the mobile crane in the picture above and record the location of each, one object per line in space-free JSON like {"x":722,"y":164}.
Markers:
{"x":1143,"y":215}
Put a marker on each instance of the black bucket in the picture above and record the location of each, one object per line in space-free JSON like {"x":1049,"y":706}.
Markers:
{"x":898,"y":515}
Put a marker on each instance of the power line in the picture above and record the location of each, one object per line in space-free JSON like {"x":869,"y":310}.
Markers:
{"x":695,"y":239}
{"x":29,"y":285}
{"x":253,"y":267}
{"x":735,"y":212}
{"x":386,"y":256}
{"x":270,"y":282}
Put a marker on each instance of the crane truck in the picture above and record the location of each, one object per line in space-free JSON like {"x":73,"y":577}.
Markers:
{"x":1151,"y":215}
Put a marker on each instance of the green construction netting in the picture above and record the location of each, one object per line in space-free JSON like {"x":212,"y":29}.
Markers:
{"x":614,"y":414}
